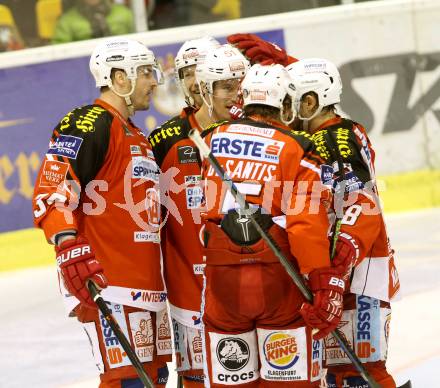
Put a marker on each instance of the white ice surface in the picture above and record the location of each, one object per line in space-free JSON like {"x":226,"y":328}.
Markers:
{"x":41,"y":348}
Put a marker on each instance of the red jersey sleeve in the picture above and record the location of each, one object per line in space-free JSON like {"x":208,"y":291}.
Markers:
{"x":75,"y":155}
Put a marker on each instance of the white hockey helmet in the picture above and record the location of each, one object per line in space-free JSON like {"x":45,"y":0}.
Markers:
{"x":225,"y":62}
{"x":314,"y":75}
{"x":192,"y":52}
{"x":121,"y":53}
{"x":265,"y":85}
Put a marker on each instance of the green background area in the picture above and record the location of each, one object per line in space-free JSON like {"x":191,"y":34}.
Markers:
{"x":410,"y":191}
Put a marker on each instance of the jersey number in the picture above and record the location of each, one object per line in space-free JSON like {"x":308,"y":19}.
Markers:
{"x":351,"y":215}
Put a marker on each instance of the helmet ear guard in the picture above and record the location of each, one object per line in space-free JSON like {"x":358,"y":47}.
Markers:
{"x":315,"y":75}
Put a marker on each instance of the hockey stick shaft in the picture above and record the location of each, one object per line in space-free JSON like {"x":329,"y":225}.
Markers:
{"x":106,"y":312}
{"x":204,"y":150}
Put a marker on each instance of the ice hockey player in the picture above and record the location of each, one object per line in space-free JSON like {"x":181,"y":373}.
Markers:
{"x":179,"y":162}
{"x":254,"y":316}
{"x":372,"y":277}
{"x":96,"y":172}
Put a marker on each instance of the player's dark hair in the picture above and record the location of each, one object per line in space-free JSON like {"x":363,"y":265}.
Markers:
{"x":262,"y":110}
{"x":328,"y":108}
{"x":112,"y":77}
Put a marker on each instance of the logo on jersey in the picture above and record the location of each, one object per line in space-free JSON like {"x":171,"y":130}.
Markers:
{"x":316,"y":360}
{"x":367,"y":334}
{"x":280,"y":350}
{"x":146,"y":237}
{"x":54,"y":172}
{"x":330,"y":177}
{"x":198,"y":269}
{"x":192,"y":179}
{"x":327,"y":175}
{"x":115,"y":354}
{"x":142,"y":331}
{"x":254,"y":148}
{"x":163,"y":342}
{"x":187,"y":154}
{"x":135,"y":150}
{"x":144,"y":168}
{"x":65,"y":145}
{"x":149,"y":296}
{"x":194,"y":197}
{"x":250,"y":130}
{"x":233,"y":353}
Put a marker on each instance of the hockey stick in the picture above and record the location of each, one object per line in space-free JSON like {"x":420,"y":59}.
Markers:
{"x":102,"y":305}
{"x":204,"y":150}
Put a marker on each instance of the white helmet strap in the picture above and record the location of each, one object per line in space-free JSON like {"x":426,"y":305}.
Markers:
{"x":126,"y":96}
{"x":209,"y":105}
{"x":286,"y":122}
{"x":316,"y":113}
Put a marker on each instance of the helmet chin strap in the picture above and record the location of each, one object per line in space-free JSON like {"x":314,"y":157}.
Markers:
{"x":126,"y":96}
{"x":188,"y":98}
{"x":287,"y":122}
{"x":211,"y":105}
{"x":306,"y":120}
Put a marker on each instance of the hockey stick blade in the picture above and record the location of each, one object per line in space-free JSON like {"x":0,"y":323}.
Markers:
{"x":106,"y":312}
{"x":205,"y":151}
{"x":406,"y":385}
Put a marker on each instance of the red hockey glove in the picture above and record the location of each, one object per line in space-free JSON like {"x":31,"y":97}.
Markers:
{"x":346,"y":254}
{"x":328,"y":287}
{"x":77,"y":263}
{"x":260,"y":51}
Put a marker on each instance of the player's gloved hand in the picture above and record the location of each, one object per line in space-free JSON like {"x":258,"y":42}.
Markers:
{"x":77,"y":263}
{"x":260,"y":51}
{"x":346,"y":255}
{"x":327,"y":286}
